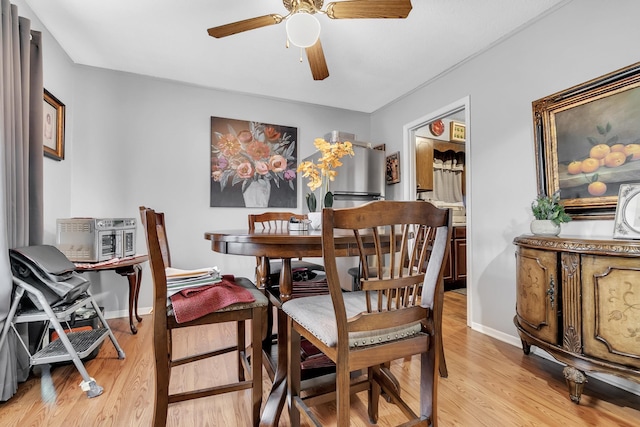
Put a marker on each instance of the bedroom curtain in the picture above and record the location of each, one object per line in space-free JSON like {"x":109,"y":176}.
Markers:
{"x":21,"y":173}
{"x":448,"y":167}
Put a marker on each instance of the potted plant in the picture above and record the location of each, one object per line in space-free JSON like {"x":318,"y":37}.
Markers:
{"x":549,"y":213}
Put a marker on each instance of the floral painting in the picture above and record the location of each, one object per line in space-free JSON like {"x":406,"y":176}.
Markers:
{"x":253,"y":164}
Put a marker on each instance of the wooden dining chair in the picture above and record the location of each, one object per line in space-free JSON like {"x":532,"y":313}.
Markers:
{"x":396,"y":314}
{"x":164,"y":324}
{"x":268,"y":270}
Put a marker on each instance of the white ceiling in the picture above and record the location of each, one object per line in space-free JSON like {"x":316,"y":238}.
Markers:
{"x":371,"y":61}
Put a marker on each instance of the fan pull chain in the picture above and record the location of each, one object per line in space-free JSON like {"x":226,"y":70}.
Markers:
{"x":287,"y":45}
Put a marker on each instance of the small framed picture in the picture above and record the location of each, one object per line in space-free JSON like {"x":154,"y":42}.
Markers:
{"x":627,"y":220}
{"x":393,"y":168}
{"x":458,"y":132}
{"x":53,"y":126}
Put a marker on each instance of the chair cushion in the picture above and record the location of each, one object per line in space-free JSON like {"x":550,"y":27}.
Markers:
{"x":316,"y":315}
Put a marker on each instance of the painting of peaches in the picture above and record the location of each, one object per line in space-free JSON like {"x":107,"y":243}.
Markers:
{"x":598,"y":145}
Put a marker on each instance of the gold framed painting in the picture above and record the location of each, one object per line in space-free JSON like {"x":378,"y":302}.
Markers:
{"x":587,"y":142}
{"x":53,"y":126}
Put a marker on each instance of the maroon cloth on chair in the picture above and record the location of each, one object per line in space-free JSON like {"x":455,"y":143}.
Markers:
{"x":192,"y":303}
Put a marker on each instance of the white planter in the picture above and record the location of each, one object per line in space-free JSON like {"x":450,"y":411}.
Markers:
{"x":316,"y":220}
{"x":545,"y":227}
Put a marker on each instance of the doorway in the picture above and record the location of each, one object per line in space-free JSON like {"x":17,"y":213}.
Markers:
{"x":459,"y":112}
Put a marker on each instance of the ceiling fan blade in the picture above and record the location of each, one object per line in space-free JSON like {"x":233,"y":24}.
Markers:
{"x":246,"y":25}
{"x":315,"y":56}
{"x":369,"y":9}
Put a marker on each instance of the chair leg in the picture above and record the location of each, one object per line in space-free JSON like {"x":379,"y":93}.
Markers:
{"x":374,"y":393}
{"x":242,"y":348}
{"x":160,"y":411}
{"x":161,"y":406}
{"x":293,"y":374}
{"x":444,"y":373}
{"x":256,"y":364}
{"x":429,"y":385}
{"x":343,"y":398}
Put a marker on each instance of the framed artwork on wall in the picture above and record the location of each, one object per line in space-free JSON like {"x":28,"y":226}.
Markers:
{"x":393,"y":168}
{"x":53,"y":126}
{"x":253,"y":164}
{"x":458,"y":132}
{"x":587,"y":142}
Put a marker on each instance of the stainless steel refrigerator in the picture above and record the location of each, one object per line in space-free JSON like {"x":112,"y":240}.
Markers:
{"x":360,"y":179}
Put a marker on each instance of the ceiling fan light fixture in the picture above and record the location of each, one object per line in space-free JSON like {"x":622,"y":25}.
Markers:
{"x":303,"y":29}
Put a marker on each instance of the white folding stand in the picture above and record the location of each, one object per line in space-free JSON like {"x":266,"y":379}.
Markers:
{"x":72,"y":346}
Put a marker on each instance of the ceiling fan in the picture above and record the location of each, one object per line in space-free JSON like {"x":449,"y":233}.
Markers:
{"x":303,"y":29}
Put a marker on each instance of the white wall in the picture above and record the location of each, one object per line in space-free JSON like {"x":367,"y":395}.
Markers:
{"x":578,"y":42}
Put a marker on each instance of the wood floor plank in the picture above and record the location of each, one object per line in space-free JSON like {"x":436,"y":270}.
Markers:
{"x":490,"y":383}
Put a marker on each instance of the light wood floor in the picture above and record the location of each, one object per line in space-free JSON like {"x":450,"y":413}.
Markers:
{"x":490,"y":383}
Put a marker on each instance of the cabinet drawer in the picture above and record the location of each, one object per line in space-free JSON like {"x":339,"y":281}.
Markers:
{"x":537,"y":293}
{"x":459,"y":232}
{"x":611,"y":309}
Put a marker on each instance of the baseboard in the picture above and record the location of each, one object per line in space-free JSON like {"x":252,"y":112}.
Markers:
{"x":125,"y":313}
{"x":630,"y":386}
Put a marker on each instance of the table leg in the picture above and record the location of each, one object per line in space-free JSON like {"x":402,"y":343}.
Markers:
{"x":275,"y":402}
{"x":133,"y":275}
{"x":138,"y":273}
{"x":286,"y":281}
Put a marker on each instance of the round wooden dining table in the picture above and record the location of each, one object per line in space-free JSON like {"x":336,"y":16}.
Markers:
{"x":283,"y":244}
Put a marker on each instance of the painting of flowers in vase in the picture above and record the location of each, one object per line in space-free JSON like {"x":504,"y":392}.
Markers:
{"x":253,"y":164}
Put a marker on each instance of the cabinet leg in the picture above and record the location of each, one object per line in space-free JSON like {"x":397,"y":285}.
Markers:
{"x":575,"y":381}
{"x":526,"y":348}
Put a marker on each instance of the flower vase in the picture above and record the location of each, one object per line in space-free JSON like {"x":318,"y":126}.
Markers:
{"x":257,"y":193}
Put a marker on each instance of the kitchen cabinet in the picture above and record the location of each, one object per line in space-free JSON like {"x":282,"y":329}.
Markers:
{"x":424,"y":164}
{"x":424,"y":161}
{"x":456,"y":266}
{"x":579,"y":300}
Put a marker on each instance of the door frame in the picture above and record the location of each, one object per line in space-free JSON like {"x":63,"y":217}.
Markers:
{"x":409,"y":187}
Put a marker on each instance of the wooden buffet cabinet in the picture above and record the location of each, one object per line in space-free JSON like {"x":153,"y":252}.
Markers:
{"x":579,"y":300}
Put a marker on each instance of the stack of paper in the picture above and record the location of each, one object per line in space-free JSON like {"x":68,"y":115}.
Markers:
{"x":178,"y":279}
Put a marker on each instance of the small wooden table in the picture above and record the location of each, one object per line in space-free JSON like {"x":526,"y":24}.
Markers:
{"x":131,"y":269}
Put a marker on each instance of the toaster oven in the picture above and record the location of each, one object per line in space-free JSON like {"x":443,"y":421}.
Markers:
{"x":96,"y":239}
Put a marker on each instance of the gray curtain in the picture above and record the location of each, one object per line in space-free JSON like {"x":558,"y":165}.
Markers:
{"x":21,"y":158}
{"x":448,"y":167}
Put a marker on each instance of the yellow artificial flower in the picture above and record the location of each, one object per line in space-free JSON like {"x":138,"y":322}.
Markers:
{"x":330,"y":159}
